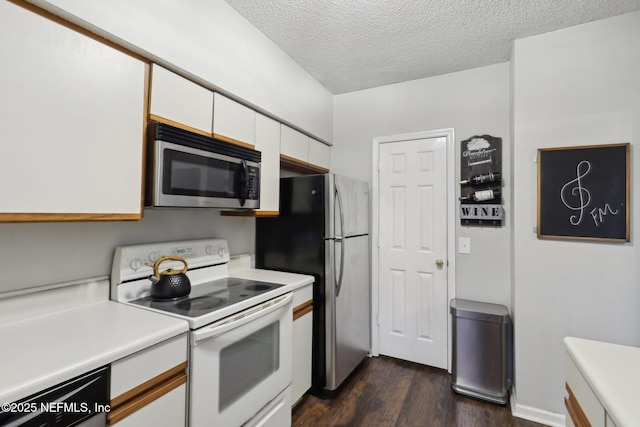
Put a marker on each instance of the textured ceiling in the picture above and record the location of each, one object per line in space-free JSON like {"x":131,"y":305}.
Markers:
{"x":349,"y":45}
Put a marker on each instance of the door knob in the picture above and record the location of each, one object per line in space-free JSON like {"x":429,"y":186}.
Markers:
{"x":439,"y":262}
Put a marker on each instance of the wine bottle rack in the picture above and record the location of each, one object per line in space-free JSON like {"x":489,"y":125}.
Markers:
{"x":481,"y":181}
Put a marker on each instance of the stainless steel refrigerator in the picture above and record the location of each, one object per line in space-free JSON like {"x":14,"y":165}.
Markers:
{"x":323,"y":230}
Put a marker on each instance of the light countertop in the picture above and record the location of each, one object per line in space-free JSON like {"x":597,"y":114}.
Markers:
{"x":43,"y":351}
{"x":293,"y":281}
{"x":613,"y":372}
{"x":52,"y":336}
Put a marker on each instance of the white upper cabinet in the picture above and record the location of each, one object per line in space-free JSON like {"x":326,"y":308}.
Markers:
{"x":72,"y":111}
{"x":268,"y":143}
{"x":319,"y":154}
{"x":180,"y":102}
{"x":294,"y":144}
{"x":233,"y":121}
{"x":304,"y":152}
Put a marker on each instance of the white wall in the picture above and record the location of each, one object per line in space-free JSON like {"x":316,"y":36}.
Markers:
{"x":209,"y":39}
{"x":36,"y":254}
{"x":577,"y":86}
{"x":473,"y":102}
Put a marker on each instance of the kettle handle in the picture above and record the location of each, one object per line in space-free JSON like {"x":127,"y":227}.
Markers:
{"x":156,"y":266}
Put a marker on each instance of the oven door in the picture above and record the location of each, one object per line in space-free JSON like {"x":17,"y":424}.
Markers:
{"x":190,"y":177}
{"x":240,"y":364}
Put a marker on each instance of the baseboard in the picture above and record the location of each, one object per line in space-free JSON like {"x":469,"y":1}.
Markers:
{"x":530,"y":413}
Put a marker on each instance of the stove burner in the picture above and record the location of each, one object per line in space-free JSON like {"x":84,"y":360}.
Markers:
{"x":174,"y":299}
{"x":211,"y":296}
{"x":201,"y":303}
{"x":258,"y":287}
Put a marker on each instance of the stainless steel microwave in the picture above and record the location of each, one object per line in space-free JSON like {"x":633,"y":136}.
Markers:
{"x":185,"y":169}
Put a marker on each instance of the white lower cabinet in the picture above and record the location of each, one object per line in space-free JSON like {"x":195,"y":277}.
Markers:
{"x":582,"y":404}
{"x":583,"y":408}
{"x":168,"y":410}
{"x":302,"y":341}
{"x":148,"y":388}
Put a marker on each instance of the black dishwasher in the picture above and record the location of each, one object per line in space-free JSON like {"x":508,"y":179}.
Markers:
{"x":81,"y":401}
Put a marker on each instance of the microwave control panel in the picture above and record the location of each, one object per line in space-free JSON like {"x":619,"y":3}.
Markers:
{"x":253,"y":183}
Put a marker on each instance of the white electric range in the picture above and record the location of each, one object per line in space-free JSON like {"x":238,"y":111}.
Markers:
{"x":240,"y":331}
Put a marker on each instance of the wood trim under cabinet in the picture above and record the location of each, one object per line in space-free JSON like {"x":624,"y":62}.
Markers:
{"x":255,"y":214}
{"x":292,"y":164}
{"x":302,"y":309}
{"x":51,"y":217}
{"x":234,"y":141}
{"x":131,"y":401}
{"x":574,"y":409}
{"x":160,"y":119}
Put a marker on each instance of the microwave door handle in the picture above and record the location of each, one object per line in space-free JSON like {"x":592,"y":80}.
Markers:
{"x":244,"y":183}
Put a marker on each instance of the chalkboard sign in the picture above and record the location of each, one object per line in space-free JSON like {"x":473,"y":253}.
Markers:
{"x":583,"y":192}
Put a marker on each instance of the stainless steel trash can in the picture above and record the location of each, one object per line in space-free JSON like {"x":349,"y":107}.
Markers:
{"x":482,"y":350}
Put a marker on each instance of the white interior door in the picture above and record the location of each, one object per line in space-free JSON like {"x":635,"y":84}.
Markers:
{"x":412,"y":254}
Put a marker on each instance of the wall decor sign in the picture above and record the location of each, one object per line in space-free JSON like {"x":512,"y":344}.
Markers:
{"x":481,"y":181}
{"x":583,"y":192}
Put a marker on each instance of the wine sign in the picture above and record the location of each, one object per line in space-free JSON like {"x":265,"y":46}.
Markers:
{"x":583,"y":192}
{"x":481,"y":181}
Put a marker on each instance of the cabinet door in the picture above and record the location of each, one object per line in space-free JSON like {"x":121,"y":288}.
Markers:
{"x":72,"y":113}
{"x":302,"y":341}
{"x":130,"y":372}
{"x":180,"y":102}
{"x":582,"y":403}
{"x":294,"y":144}
{"x":233,"y":122}
{"x":148,"y":388}
{"x":319,"y":154}
{"x":168,"y":410}
{"x":302,"y":333}
{"x":268,"y":143}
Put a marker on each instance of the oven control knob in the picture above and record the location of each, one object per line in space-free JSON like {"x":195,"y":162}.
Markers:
{"x":209,"y":249}
{"x":220,"y":252}
{"x":135,"y":264}
{"x":153,"y":256}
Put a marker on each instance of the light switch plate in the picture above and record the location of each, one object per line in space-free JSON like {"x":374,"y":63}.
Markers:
{"x":464,"y":245}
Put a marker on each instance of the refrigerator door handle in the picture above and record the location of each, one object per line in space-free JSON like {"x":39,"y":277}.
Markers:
{"x":338,"y":277}
{"x":339,"y":239}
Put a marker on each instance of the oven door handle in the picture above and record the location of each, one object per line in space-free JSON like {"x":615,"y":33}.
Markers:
{"x":240,"y":319}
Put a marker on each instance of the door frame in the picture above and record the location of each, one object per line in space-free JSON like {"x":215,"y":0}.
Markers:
{"x":448,"y":134}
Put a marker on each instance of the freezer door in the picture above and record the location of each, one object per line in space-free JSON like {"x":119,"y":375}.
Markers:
{"x":348,"y":311}
{"x":351,"y":206}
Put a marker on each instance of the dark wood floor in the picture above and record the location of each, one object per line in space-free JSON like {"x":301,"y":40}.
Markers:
{"x":388,"y":392}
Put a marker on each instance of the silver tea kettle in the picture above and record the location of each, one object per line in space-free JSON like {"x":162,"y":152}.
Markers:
{"x":171,"y":283}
